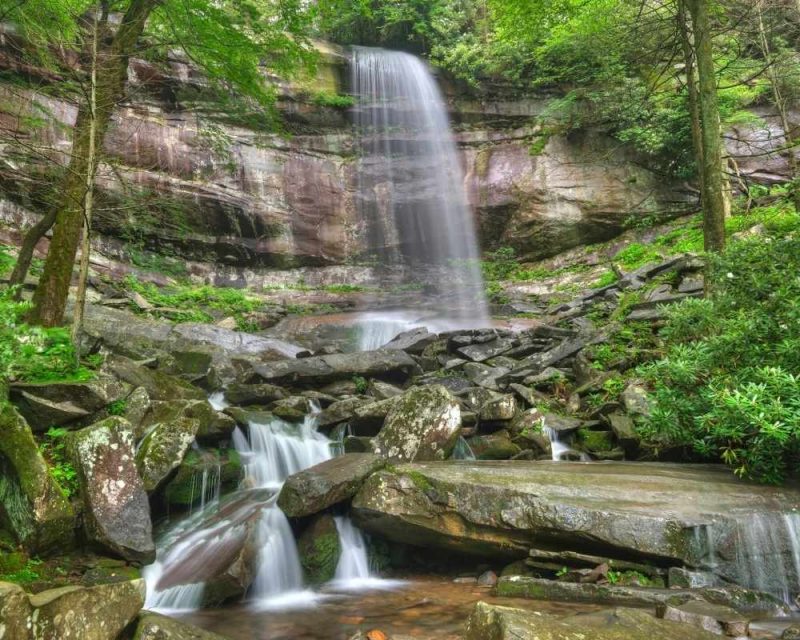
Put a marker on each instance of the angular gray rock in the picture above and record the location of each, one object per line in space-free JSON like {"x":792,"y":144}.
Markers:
{"x":326,"y":484}
{"x":116,"y":508}
{"x":52,"y":404}
{"x":318,"y":370}
{"x":163,"y":450}
{"x":423,"y":424}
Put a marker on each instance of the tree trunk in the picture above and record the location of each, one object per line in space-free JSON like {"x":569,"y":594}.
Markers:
{"x":29,"y":242}
{"x":780,"y":105}
{"x":687,"y":41}
{"x":714,"y":182}
{"x":50,"y":298}
{"x":88,"y":204}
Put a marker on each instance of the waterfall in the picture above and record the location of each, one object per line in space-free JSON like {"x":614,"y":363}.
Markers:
{"x":412,"y":198}
{"x":768,"y":554}
{"x":462,"y":450}
{"x":760,"y":551}
{"x":353,"y":562}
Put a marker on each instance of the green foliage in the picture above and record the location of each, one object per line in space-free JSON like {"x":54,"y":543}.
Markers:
{"x":53,"y":448}
{"x":195,"y":304}
{"x":34,"y":354}
{"x":27,"y":573}
{"x":118,"y":407}
{"x":636,"y":255}
{"x":728,"y":387}
{"x":362,"y":384}
{"x":6,"y":260}
{"x":333,"y":100}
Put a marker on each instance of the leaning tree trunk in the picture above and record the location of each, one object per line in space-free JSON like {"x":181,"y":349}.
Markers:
{"x":714,"y":182}
{"x":29,"y":242}
{"x":50,"y":298}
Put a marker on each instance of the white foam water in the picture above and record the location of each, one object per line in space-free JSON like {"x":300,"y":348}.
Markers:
{"x":352,"y":571}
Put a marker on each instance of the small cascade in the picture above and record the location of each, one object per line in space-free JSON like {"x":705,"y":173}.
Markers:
{"x":217,"y":401}
{"x":205,"y":484}
{"x":279,"y":569}
{"x":760,"y":551}
{"x":277,"y":449}
{"x":462,"y":450}
{"x":560,"y":449}
{"x":353,"y":563}
{"x":338,"y":435}
{"x":768,"y":554}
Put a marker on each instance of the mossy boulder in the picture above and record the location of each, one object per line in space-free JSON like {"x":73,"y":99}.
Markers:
{"x":15,"y":612}
{"x":319,"y":550}
{"x":490,"y":622}
{"x":94,"y":613}
{"x":253,"y":394}
{"x":116,"y":509}
{"x":159,"y":385}
{"x":496,"y":446}
{"x":224,"y":467}
{"x":49,"y":404}
{"x":163,"y":450}
{"x":595,"y":441}
{"x":153,"y":626}
{"x":424,"y":424}
{"x":34,"y":506}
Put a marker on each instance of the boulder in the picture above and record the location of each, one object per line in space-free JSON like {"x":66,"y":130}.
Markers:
{"x":484,"y":376}
{"x":162,"y":450}
{"x":341,"y":411}
{"x":368,"y":419}
{"x":52,"y":404}
{"x":158,"y":385}
{"x":491,"y":622}
{"x":94,"y":613}
{"x":15,"y":612}
{"x":487,"y":350}
{"x":636,"y":400}
{"x":502,"y":409}
{"x":413,"y":341}
{"x":644,"y":511}
{"x":319,"y":550}
{"x":326,"y":484}
{"x":738,"y":598}
{"x":318,"y":370}
{"x":137,"y":406}
{"x":717,"y":619}
{"x":32,"y":503}
{"x":424,"y":424}
{"x":383,"y":390}
{"x":624,"y":431}
{"x":153,"y":626}
{"x":496,"y":446}
{"x":253,"y":394}
{"x":679,"y":577}
{"x":539,"y":362}
{"x":116,"y":509}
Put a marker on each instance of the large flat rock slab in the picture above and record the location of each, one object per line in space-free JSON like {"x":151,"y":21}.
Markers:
{"x":663,"y":513}
{"x":381,"y":364}
{"x":489,"y":622}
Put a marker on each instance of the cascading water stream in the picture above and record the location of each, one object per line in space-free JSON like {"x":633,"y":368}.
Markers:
{"x":205,"y":541}
{"x":412,"y":198}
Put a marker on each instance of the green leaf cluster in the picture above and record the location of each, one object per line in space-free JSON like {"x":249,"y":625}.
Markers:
{"x":728,"y":387}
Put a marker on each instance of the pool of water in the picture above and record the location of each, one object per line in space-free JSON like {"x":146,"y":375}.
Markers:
{"x":423,"y":608}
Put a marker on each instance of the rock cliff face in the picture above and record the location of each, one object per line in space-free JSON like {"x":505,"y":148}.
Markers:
{"x":189,"y":177}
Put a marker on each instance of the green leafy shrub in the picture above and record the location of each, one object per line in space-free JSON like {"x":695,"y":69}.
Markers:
{"x":34,"y":354}
{"x":333,"y":100}
{"x":728,"y":387}
{"x":53,"y":448}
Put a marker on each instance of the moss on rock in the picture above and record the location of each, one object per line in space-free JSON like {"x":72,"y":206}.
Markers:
{"x":319,"y":550}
